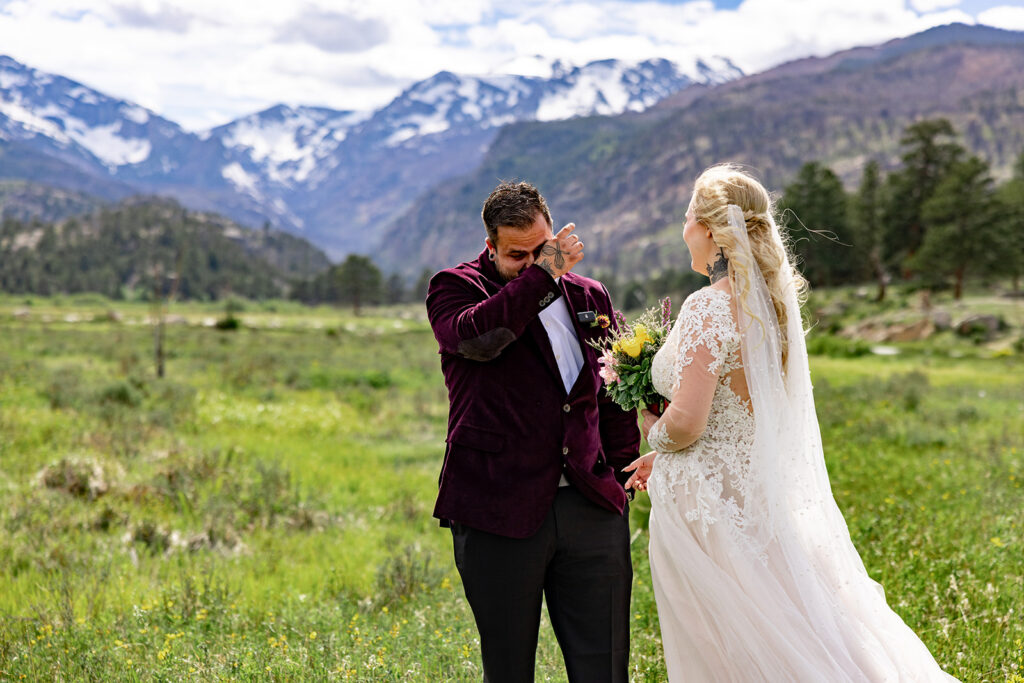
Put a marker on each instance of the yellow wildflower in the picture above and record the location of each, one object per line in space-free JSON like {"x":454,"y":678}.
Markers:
{"x":616,"y":347}
{"x":632,"y":346}
{"x":641,"y":334}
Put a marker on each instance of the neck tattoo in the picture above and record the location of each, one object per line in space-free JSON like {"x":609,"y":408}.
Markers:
{"x":719,"y":269}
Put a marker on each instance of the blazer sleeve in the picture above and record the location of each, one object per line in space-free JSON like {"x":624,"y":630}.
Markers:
{"x":620,"y":435}
{"x":468,"y":323}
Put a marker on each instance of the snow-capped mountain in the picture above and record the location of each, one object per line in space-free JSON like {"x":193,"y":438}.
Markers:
{"x":288,"y":143}
{"x":452,"y":102}
{"x":339,"y":177}
{"x":71,"y":117}
{"x":344,"y":175}
{"x":86,"y":128}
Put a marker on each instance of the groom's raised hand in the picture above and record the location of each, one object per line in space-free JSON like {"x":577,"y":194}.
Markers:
{"x":561,"y":253}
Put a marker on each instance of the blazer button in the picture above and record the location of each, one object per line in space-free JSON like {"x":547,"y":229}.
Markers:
{"x":565,"y":450}
{"x":566,"y":407}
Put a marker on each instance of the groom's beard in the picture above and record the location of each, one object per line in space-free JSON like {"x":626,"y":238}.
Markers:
{"x":509,"y":275}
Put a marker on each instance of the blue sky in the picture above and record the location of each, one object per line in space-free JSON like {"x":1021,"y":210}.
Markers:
{"x":205,"y":62}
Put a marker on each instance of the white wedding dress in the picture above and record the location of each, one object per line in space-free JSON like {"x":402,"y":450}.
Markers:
{"x":754,"y":573}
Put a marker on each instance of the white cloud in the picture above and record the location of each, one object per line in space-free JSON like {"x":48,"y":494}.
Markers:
{"x":932,"y":5}
{"x":161,"y":18}
{"x":1003,"y":17}
{"x":334,"y":32}
{"x":204,"y":62}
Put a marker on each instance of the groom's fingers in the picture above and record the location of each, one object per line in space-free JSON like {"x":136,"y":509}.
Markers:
{"x":565,"y":231}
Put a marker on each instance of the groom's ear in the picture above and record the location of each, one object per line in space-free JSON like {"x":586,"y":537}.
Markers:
{"x":490,"y":245}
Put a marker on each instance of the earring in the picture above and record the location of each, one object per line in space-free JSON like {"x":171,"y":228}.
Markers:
{"x":490,"y":255}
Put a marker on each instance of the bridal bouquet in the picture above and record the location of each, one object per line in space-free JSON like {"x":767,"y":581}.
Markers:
{"x":626,"y":357}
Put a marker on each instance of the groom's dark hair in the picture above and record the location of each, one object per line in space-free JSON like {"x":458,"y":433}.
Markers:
{"x":513,"y":205}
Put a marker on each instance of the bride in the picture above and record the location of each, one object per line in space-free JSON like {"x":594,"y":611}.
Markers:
{"x":755,"y":576}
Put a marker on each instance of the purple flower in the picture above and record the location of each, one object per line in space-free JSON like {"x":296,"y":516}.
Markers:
{"x":666,"y":312}
{"x":620,"y":322}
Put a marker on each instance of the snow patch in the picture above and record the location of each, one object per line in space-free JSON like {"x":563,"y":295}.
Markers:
{"x":469,"y":89}
{"x":237,"y":176}
{"x":289,"y":145}
{"x":266,"y":140}
{"x":31,"y":121}
{"x":83,"y":95}
{"x":400,"y":136}
{"x":106,"y":145}
{"x":10,"y":80}
{"x":414,"y":126}
{"x":135,"y":114}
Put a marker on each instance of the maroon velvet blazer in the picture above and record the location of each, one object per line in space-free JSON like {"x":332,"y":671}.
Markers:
{"x":512,"y":429}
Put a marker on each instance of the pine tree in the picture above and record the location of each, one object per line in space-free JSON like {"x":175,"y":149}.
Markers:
{"x":869,"y":227}
{"x":963,"y":230}
{"x":358,"y":282}
{"x":1011,"y":220}
{"x":930,"y":150}
{"x":814,"y":207}
{"x":394,"y":290}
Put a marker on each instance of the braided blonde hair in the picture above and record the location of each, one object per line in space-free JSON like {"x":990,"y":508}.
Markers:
{"x":725,"y":184}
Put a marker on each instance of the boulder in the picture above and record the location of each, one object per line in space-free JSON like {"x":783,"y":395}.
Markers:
{"x":877,"y":332}
{"x":922,"y":329}
{"x":942,"y":320}
{"x":983,"y":325}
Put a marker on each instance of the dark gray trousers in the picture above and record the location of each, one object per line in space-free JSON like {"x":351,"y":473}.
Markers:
{"x":579,"y":561}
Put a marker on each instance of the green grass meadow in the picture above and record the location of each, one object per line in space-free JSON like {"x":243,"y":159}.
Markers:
{"x":264,"y":511}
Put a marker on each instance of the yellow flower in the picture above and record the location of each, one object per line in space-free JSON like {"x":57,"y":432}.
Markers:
{"x":616,"y":347}
{"x":641,"y":334}
{"x":632,"y":346}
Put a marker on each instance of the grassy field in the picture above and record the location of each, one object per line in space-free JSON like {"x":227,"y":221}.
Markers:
{"x":263,"y":512}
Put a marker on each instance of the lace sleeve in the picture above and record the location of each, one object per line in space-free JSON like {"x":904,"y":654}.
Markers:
{"x":704,"y":339}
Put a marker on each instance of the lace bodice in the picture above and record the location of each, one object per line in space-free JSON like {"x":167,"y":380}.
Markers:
{"x":706,"y":339}
{"x":705,"y":320}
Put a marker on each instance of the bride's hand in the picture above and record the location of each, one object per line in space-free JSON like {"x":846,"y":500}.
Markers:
{"x":649,"y":419}
{"x":643,"y":466}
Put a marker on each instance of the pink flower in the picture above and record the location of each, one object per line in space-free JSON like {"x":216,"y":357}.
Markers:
{"x":607,"y":371}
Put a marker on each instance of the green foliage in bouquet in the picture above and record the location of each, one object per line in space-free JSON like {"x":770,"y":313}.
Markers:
{"x":627,"y":354}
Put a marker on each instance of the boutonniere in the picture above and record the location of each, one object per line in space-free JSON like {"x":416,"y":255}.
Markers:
{"x":592,"y":319}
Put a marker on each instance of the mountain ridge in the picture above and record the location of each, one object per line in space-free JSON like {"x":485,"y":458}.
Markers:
{"x":133,"y":244}
{"x":627,"y":188}
{"x":333,"y":176}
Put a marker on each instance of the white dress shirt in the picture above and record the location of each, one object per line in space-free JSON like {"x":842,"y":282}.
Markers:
{"x":564,"y":344}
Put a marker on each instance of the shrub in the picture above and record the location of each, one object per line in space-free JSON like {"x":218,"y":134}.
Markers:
{"x":908,"y":389}
{"x":836,"y":347}
{"x":64,"y":388}
{"x":120,"y":393}
{"x":82,"y":478}
{"x":405,"y":573}
{"x":228,"y":322}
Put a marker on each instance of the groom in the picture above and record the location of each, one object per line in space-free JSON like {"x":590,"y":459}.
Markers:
{"x":531,"y":484}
